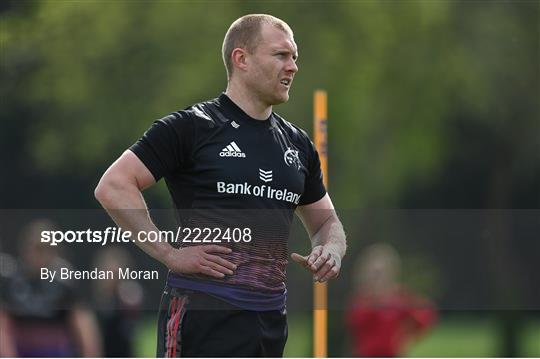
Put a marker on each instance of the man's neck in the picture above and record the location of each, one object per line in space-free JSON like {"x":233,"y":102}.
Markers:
{"x":242,"y":97}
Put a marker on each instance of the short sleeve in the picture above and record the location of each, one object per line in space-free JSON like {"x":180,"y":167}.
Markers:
{"x":165,"y":147}
{"x":314,"y":187}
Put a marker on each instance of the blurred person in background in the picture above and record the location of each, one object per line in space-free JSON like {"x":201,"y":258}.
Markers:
{"x":42,"y":318}
{"x":118,"y":302}
{"x":384,"y":317}
{"x":8,"y":266}
{"x":7,"y":345}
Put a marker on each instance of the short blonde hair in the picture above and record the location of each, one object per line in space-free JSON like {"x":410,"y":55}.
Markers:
{"x":245,"y":33}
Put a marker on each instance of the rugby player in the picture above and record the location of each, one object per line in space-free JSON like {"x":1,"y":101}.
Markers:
{"x":231,"y":162}
{"x":40,"y":318}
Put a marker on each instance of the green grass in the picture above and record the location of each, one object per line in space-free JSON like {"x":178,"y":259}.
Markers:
{"x":299,"y":343}
{"x":531,"y":339}
{"x":145,"y":338}
{"x":458,"y":338}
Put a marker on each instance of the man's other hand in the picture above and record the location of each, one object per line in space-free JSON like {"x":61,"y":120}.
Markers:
{"x":323,"y":262}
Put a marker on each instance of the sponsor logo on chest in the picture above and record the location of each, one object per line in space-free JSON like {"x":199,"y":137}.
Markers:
{"x":232,"y":150}
{"x":262,"y":191}
{"x":265,"y":176}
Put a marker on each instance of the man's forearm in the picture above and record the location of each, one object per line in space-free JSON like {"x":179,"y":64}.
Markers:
{"x":126,"y":206}
{"x":328,"y":248}
{"x":331,"y":235}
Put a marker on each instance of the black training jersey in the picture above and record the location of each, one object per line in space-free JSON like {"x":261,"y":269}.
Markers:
{"x":230,"y":170}
{"x":40,"y":315}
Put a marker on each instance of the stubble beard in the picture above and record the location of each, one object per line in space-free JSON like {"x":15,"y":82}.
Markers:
{"x":267,"y":95}
{"x":277,"y":96}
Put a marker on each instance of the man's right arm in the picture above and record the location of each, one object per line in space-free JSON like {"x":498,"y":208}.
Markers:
{"x":120,"y":192}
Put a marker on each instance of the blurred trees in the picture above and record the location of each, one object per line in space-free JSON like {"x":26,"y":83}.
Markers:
{"x":432,"y":104}
{"x":424,"y":96}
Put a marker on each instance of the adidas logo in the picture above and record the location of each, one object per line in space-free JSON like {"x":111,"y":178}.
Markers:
{"x":265,"y":176}
{"x":234,"y":124}
{"x":232,"y":150}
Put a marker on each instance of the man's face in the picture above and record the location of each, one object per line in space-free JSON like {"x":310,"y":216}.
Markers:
{"x":272,"y":66}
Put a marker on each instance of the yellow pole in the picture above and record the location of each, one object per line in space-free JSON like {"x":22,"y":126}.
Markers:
{"x":320,"y":312}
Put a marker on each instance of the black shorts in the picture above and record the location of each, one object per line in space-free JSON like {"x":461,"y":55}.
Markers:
{"x":194,"y":324}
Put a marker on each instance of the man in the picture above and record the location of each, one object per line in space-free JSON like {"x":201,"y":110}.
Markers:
{"x":219,"y":159}
{"x":39,"y":318}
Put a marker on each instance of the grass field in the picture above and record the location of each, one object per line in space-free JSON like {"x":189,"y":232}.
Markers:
{"x":451,"y":338}
{"x":465,"y":338}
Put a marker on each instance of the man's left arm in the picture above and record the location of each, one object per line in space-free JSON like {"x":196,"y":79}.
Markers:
{"x":327,"y":239}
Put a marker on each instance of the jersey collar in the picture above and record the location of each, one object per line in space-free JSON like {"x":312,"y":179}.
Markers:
{"x":236,"y":113}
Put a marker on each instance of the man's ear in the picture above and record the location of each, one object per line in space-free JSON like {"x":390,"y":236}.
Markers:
{"x":239,"y":58}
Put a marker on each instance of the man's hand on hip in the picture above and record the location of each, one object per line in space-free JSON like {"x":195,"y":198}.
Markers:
{"x":323,"y":262}
{"x":200,"y":260}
